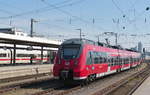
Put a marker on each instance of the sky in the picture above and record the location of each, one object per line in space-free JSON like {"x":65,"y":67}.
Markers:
{"x":61,"y":19}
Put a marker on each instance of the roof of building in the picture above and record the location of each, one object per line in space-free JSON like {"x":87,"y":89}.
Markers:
{"x":24,"y":40}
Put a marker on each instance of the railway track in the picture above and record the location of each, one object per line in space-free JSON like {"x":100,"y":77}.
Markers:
{"x":53,"y":87}
{"x":127,"y":85}
{"x":61,"y":90}
{"x":15,"y":86}
{"x":13,"y":79}
{"x":49,"y":86}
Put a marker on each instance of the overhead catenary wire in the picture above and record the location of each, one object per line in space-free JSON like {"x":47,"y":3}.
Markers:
{"x":64,"y":3}
{"x":69,"y":14}
{"x":11,"y":6}
{"x":5,"y":11}
{"x":41,"y":10}
{"x":120,"y":10}
{"x":117,"y":7}
{"x":65,"y":12}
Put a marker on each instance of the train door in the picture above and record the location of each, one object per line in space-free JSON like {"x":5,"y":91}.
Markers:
{"x":89,"y":63}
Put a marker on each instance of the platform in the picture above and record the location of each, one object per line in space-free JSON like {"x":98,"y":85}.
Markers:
{"x":15,"y":71}
{"x":144,"y":89}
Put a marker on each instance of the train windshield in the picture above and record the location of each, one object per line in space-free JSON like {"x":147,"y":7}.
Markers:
{"x":70,"y":51}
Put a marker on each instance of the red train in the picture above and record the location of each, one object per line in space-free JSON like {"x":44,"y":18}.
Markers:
{"x":82,"y":59}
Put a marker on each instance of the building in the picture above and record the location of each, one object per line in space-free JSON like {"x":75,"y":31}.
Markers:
{"x":13,"y":31}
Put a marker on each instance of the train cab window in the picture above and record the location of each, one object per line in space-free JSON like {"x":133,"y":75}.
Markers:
{"x":89,"y":58}
{"x":70,"y":51}
{"x":3,"y":55}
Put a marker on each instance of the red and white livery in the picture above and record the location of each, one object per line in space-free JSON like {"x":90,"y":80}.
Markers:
{"x":82,"y":59}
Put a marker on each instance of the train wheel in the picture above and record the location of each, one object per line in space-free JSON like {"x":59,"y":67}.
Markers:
{"x":92,"y":77}
{"x":89,"y":79}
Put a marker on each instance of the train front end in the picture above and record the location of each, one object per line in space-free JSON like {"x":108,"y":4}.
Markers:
{"x":68,"y":61}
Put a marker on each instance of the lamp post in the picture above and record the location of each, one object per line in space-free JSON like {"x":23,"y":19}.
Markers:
{"x":31,"y":31}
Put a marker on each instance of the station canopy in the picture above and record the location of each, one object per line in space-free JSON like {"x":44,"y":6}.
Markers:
{"x":25,"y":40}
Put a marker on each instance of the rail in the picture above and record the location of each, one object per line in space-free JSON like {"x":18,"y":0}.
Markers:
{"x":136,"y":80}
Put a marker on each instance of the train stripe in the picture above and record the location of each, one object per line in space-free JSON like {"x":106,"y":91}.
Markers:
{"x":25,"y":59}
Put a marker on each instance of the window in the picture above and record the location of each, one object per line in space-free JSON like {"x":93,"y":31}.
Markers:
{"x":95,"y":57}
{"x":70,"y":51}
{"x":98,"y":57}
{"x":3,"y":55}
{"x":112,"y":60}
{"x":96,"y":60}
{"x":25,"y":55}
{"x":89,"y":58}
{"x":101,"y":59}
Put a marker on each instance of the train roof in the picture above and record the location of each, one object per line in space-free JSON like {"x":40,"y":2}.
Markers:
{"x":79,"y":41}
{"x":86,"y":41}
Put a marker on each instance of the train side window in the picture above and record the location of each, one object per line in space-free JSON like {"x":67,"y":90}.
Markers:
{"x":136,"y":59}
{"x":122,"y":60}
{"x":109,"y":60}
{"x":3,"y":55}
{"x":89,"y":58}
{"x":131,"y":60}
{"x":117,"y":61}
{"x":95,"y":57}
{"x":105,"y":59}
{"x":112,"y":61}
{"x":100,"y":59}
{"x":96,"y":61}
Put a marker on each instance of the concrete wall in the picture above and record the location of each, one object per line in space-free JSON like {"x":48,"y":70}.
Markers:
{"x":15,"y":71}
